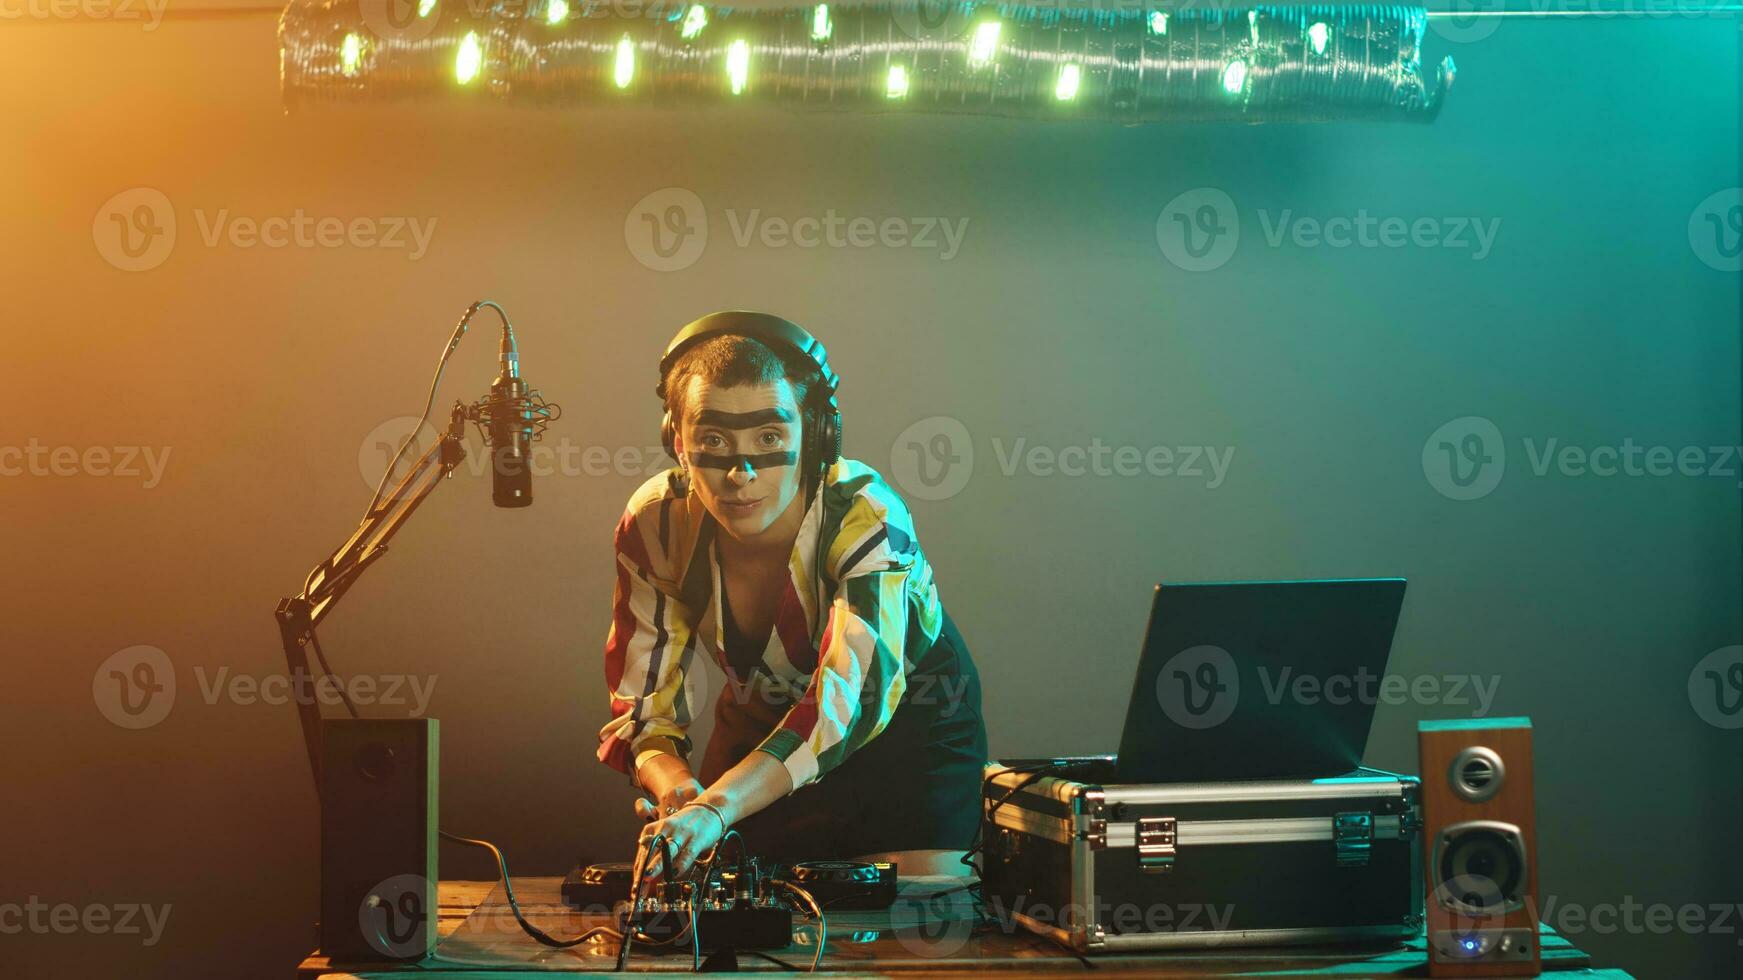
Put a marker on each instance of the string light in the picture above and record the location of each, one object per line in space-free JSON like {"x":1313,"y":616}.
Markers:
{"x":1235,"y":77}
{"x":896,"y":86}
{"x":624,"y":70}
{"x":738,"y":65}
{"x":984,"y":44}
{"x":694,"y":20}
{"x":1066,"y":89}
{"x":350,"y":55}
{"x":469,"y":59}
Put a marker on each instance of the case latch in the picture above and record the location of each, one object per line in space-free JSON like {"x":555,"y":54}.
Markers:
{"x":1156,"y":839}
{"x":1354,"y":835}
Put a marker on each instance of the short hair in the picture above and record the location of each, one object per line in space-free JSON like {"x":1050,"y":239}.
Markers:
{"x":731,"y":360}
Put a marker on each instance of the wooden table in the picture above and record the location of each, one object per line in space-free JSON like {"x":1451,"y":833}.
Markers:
{"x":481,"y":941}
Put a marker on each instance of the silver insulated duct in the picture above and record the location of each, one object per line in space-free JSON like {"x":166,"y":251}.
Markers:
{"x":1129,"y":66}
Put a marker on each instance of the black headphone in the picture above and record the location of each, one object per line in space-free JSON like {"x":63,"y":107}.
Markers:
{"x":822,"y":439}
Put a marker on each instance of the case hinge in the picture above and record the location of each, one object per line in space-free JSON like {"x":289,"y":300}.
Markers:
{"x":1156,"y":840}
{"x":1353,"y":834}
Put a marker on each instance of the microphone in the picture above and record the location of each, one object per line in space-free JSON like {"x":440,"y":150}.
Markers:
{"x":509,"y":410}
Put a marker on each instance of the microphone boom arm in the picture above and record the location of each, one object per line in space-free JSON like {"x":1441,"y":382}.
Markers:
{"x":298,"y":616}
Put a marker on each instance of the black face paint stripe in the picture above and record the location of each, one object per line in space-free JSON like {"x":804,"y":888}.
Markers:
{"x":761,"y":461}
{"x":743,"y":420}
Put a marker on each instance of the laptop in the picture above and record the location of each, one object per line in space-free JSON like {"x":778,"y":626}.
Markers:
{"x":1254,"y":680}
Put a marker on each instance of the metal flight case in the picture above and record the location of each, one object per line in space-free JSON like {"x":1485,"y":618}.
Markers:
{"x":1103,"y":867}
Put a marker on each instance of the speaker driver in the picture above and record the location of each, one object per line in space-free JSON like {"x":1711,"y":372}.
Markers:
{"x":1480,"y":868}
{"x":1477,"y":774}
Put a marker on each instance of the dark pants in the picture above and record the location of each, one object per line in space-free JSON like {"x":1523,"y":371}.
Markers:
{"x":915,"y":786}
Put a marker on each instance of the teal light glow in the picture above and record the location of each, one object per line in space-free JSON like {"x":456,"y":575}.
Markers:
{"x":1253,"y":24}
{"x":738,"y":65}
{"x":350,"y":55}
{"x":984,"y":44}
{"x":469,"y":60}
{"x":1318,"y":35}
{"x":1159,"y":22}
{"x":623,"y":70}
{"x":695,"y":19}
{"x":556,"y":11}
{"x":821,"y":27}
{"x":1235,"y":77}
{"x":1066,"y":88}
{"x":896,"y":86}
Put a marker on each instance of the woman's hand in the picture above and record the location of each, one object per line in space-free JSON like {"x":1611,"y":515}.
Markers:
{"x":690,"y":833}
{"x":674,"y":798}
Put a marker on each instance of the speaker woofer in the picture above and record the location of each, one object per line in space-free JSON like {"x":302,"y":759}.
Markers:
{"x":1480,"y":868}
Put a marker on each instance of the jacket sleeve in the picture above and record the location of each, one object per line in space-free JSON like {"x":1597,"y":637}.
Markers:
{"x":648,"y":656}
{"x":862,"y":657}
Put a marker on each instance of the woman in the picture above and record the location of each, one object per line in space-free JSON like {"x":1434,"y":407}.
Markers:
{"x":850,"y":725}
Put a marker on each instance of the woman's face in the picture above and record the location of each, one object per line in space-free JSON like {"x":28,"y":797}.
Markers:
{"x":742,"y":447}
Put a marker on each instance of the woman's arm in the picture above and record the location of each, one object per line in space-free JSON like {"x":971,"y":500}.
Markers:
{"x":758,"y":780}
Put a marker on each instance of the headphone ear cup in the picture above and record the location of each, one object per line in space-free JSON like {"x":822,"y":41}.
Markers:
{"x":831,"y":439}
{"x":669,"y":436}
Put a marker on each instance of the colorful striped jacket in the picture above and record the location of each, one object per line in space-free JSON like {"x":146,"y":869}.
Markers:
{"x":843,"y":672}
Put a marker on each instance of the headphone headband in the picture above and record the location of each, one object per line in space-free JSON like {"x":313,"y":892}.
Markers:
{"x":777,"y":332}
{"x":773,"y":330}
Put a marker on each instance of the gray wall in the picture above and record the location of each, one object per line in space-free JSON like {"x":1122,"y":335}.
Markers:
{"x":1588,"y":600}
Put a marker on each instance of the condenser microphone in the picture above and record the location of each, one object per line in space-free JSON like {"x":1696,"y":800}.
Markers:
{"x":511,"y":430}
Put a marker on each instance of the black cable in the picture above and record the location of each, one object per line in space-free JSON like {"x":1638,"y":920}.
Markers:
{"x":321,"y":658}
{"x":430,"y":400}
{"x":514,"y":906}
